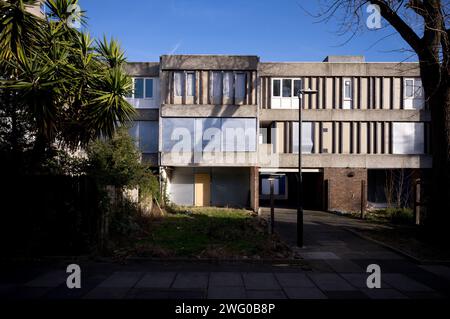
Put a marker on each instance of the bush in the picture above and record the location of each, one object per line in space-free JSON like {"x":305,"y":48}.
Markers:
{"x":400,"y":215}
{"x":117,"y":162}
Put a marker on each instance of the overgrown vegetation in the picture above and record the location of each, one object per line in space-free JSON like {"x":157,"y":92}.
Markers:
{"x":117,"y":169}
{"x":218,"y":233}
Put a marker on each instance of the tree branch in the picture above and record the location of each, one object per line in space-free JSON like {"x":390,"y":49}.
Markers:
{"x":397,"y":23}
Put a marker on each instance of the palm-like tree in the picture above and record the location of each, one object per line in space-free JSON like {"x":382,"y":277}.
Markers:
{"x":71,"y":87}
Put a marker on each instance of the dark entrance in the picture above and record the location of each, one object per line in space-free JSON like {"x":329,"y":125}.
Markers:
{"x":312,"y":192}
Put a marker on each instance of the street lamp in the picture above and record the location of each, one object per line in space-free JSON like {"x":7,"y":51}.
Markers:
{"x":300,"y":179}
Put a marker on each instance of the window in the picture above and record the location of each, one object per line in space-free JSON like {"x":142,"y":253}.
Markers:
{"x":297,"y":87}
{"x":348,"y":89}
{"x":287,"y":88}
{"x":142,"y":88}
{"x":145,"y":134}
{"x":413,"y":94}
{"x":148,"y":88}
{"x":228,"y":85}
{"x":307,"y":138}
{"x":276,"y":90}
{"x":138,"y":88}
{"x":209,"y":134}
{"x":241,"y":81}
{"x":238,"y":135}
{"x":409,"y":88}
{"x":190,"y":84}
{"x":408,"y":138}
{"x":217,"y":84}
{"x":178,"y":78}
{"x":418,"y":89}
{"x":177,"y":133}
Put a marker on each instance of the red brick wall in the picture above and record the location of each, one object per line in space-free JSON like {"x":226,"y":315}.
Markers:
{"x":344,"y":188}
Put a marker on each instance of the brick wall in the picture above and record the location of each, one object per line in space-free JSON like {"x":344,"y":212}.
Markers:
{"x":344,"y":188}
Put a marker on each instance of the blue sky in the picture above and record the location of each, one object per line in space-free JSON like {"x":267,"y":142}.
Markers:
{"x":277,"y":30}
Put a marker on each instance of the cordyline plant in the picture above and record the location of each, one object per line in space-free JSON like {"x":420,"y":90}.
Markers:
{"x":58,"y":85}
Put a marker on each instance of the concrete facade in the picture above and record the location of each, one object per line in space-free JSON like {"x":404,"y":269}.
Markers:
{"x":365,"y":116}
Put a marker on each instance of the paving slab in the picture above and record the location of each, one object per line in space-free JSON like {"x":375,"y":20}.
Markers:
{"x":331,"y":282}
{"x":107,"y":293}
{"x":294,"y":280}
{"x":438,"y":270}
{"x":359,"y":280}
{"x":404,"y":283}
{"x":345,"y":266}
{"x":191,"y":280}
{"x":266,"y":294}
{"x":304,"y":293}
{"x":226,"y":293}
{"x":354,"y":294}
{"x":187,"y":294}
{"x":156,"y":280}
{"x":121,"y":279}
{"x":225,"y":279}
{"x":261,"y":281}
{"x":383,"y":293}
{"x":49,"y":280}
{"x":325,"y":255}
{"x":145,"y":293}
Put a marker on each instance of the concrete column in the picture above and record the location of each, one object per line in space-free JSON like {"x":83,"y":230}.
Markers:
{"x":254,"y":188}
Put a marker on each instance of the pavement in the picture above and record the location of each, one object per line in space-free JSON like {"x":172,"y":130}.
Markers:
{"x":333,"y":267}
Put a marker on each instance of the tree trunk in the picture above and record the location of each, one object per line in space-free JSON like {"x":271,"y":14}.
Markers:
{"x":439,"y":104}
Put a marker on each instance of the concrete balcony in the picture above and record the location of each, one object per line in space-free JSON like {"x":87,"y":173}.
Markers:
{"x":270,"y":115}
{"x":196,"y":110}
{"x":369,"y":161}
{"x":220,"y":159}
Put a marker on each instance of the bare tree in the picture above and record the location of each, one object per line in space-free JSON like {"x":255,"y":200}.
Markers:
{"x":398,"y":188}
{"x":424,"y":26}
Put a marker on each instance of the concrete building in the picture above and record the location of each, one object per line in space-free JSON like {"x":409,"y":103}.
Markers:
{"x":218,"y":126}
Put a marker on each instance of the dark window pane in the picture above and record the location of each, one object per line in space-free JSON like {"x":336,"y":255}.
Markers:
{"x":297,"y":86}
{"x":149,"y":88}
{"x":287,"y":88}
{"x":276,"y":87}
{"x":139,"y":88}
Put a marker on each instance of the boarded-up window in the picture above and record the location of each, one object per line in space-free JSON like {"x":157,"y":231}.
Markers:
{"x":190,"y":84}
{"x":240,"y":85}
{"x":307,"y":137}
{"x":228,"y":85}
{"x":408,"y":138}
{"x":217,"y":84}
{"x":178,"y":83}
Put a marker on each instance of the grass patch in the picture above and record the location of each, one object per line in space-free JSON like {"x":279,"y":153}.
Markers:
{"x":209,"y":233}
{"x":399,"y":216}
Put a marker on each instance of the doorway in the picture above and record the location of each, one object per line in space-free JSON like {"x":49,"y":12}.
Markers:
{"x":202,"y":190}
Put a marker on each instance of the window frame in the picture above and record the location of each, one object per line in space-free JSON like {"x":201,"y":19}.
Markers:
{"x":344,"y":97}
{"x":186,"y":91}
{"x":144,"y":92}
{"x":414,"y":88}
{"x":293,"y":94}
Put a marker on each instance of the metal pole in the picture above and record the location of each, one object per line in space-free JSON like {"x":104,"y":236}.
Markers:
{"x":417,"y":201}
{"x":363,"y":199}
{"x":300,"y":180}
{"x":272,"y":209}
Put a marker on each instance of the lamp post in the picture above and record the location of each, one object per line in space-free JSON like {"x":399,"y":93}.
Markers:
{"x":300,"y":179}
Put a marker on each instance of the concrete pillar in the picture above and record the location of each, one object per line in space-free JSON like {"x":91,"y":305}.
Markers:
{"x":254,"y":188}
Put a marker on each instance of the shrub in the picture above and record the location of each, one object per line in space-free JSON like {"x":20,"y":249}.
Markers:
{"x":400,"y":215}
{"x":117,"y":162}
